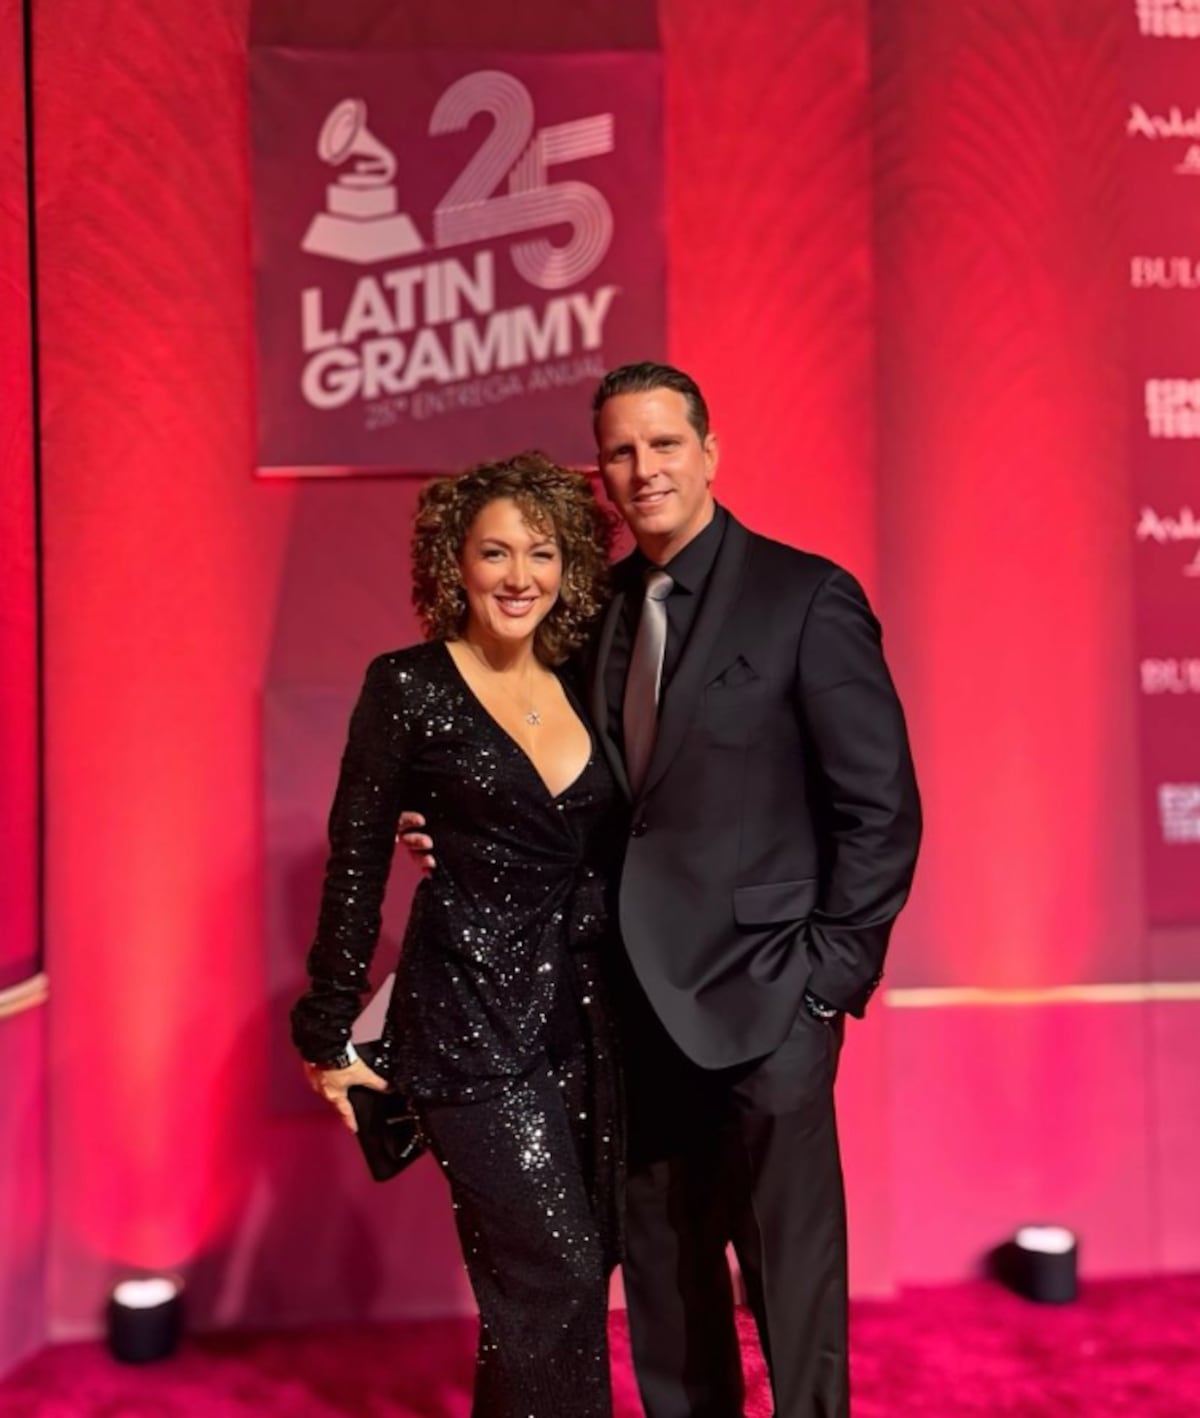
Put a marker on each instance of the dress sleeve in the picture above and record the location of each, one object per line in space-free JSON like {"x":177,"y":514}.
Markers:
{"x":362,"y":839}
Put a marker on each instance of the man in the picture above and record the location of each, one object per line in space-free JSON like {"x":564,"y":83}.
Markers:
{"x":740,"y":693}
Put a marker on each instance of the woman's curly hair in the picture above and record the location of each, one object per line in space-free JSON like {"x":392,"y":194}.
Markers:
{"x":552,"y":500}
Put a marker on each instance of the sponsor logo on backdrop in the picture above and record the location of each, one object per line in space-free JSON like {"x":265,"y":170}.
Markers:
{"x":1164,"y":272}
{"x":1182,"y":531}
{"x":1171,"y":676}
{"x":431,"y":321}
{"x":1179,"y":811}
{"x":1168,"y":19}
{"x":1163,"y":143}
{"x":1174,"y":126}
{"x":447,"y":247}
{"x":1173,"y":408}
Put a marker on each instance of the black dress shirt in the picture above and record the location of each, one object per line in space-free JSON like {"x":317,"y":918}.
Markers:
{"x":689,"y":569}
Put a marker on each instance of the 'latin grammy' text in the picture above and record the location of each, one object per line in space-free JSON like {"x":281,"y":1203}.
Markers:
{"x":436,"y":324}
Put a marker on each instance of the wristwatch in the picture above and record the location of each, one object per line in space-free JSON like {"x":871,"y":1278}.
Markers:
{"x":344,"y":1059}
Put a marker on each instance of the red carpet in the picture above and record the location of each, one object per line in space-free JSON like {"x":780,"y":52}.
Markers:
{"x":1127,"y":1347}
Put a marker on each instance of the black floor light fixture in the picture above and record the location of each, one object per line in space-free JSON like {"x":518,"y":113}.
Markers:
{"x":145,"y":1319}
{"x":1039,"y":1263}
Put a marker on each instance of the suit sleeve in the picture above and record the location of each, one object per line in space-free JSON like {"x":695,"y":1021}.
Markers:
{"x":870,"y":811}
{"x":362,"y":839}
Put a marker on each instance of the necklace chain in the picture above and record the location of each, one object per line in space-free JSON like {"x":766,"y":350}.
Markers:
{"x":528,"y":710}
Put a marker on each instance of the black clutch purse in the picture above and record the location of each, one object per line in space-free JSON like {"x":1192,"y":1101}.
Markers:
{"x":388,"y":1131}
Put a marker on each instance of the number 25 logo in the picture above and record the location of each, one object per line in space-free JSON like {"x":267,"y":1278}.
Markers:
{"x":470,"y":210}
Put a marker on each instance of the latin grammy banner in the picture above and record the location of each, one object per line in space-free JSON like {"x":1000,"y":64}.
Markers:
{"x":450,"y":248}
{"x":1162,"y":136}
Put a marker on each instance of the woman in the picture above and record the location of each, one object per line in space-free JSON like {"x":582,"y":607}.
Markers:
{"x":496,"y":1028}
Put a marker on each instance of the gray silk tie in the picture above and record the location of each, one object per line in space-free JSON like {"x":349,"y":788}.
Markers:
{"x":642,"y":684}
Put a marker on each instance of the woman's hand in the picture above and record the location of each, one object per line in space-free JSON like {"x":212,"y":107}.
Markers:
{"x":419,"y":844}
{"x":334,"y":1083}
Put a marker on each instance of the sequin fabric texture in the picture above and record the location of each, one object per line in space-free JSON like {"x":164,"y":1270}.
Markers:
{"x":521,"y":886}
{"x":499,"y":1026}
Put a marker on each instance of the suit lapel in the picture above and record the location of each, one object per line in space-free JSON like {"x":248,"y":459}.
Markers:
{"x":598,"y":688}
{"x":682,"y":694}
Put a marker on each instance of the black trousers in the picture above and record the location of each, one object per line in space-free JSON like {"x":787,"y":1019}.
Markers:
{"x":517,"y":1165}
{"x":749,"y":1156}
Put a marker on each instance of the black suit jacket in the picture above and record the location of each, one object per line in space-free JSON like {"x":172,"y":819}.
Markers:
{"x":774,"y":840}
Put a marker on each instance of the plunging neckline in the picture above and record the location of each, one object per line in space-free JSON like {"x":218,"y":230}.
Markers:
{"x":520,"y":748}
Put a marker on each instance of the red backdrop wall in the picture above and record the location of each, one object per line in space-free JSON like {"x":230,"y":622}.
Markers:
{"x":18,"y":604}
{"x":22,"y":1029}
{"x":889,"y":266}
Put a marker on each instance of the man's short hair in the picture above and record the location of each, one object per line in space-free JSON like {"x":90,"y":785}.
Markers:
{"x":642,"y":379}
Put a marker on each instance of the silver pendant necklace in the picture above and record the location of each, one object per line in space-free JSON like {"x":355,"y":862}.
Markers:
{"x":529,"y":710}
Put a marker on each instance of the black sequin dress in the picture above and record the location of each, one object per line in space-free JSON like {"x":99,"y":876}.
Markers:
{"x":498,"y":1027}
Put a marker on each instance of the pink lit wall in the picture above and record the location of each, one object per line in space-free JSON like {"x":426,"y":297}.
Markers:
{"x":891,"y":265}
{"x":23,"y":1202}
{"x":1006,"y":545}
{"x":22,"y":1029}
{"x":18,"y":599}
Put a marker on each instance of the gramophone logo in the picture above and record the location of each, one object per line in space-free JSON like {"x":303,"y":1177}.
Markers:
{"x":362,"y":221}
